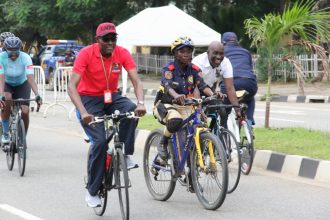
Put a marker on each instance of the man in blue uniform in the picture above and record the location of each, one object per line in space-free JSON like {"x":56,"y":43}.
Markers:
{"x":244,"y":77}
{"x":180,"y":79}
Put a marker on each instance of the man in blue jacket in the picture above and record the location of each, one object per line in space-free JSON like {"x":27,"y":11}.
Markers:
{"x":244,"y":77}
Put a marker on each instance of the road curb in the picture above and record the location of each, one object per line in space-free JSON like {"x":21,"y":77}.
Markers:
{"x":289,"y":165}
{"x":296,"y":98}
{"x":261,"y":97}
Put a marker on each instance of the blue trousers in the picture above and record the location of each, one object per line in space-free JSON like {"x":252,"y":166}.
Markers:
{"x":249,"y":85}
{"x":95,"y":106}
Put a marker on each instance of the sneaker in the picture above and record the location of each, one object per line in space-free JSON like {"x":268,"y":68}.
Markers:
{"x":5,"y":138}
{"x":131,"y":164}
{"x":93,"y":201}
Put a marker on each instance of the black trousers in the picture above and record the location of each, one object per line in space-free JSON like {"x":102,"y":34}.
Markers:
{"x":95,"y":106}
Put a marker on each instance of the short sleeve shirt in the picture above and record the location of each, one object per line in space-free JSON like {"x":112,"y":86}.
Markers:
{"x":16,"y":71}
{"x":185,"y":80}
{"x":210,"y":74}
{"x":89,"y":66}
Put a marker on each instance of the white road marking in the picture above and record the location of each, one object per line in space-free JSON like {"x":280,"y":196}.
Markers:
{"x":281,"y":119}
{"x":18,"y":212}
{"x":282,"y":112}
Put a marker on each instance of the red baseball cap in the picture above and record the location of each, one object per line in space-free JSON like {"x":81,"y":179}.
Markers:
{"x":105,"y":28}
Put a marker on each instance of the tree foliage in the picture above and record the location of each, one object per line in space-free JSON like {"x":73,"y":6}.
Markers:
{"x":78,"y":19}
{"x":299,"y":20}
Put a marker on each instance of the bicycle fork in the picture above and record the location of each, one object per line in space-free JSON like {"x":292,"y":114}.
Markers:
{"x":199,"y":152}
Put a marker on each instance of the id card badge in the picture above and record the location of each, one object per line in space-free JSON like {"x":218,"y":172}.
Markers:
{"x":107,"y":96}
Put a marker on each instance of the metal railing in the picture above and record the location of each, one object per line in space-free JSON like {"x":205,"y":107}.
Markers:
{"x":310,"y":63}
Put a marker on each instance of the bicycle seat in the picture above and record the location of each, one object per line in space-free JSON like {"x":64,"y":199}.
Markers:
{"x":241,"y":94}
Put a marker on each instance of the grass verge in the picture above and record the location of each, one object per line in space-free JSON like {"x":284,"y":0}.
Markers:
{"x":298,"y":141}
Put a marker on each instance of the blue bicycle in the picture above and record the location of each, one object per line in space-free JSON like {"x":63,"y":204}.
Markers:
{"x":228,"y":139}
{"x":195,"y":154}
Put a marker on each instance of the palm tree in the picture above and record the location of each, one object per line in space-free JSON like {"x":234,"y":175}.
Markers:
{"x":298,"y":20}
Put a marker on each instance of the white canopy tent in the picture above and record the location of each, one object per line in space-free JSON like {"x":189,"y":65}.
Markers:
{"x":159,"y":27}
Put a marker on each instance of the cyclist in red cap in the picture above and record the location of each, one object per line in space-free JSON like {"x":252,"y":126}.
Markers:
{"x":93,"y":88}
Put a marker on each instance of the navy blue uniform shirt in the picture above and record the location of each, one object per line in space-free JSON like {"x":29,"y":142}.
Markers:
{"x":241,"y":61}
{"x":186,"y":79}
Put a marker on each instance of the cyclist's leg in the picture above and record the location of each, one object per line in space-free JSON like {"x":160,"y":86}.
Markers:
{"x":173,"y":121}
{"x":5,"y":113}
{"x":95,"y":105}
{"x":250,"y":85}
{"x":127,"y":127}
{"x":23,"y":91}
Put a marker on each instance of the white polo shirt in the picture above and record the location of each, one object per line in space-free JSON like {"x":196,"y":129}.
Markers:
{"x":209,"y":73}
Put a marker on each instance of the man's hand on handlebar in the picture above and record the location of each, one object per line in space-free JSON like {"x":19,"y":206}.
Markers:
{"x":220,"y":95}
{"x":238,"y":112}
{"x":140,"y":110}
{"x":179,"y":99}
{"x":87,"y":118}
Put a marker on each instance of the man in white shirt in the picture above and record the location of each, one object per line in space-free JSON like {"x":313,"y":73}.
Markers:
{"x":215,"y":68}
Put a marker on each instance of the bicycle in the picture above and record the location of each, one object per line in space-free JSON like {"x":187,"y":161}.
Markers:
{"x":206,"y":163}
{"x":228,"y":140}
{"x":17,"y":143}
{"x":243,"y":132}
{"x":116,"y":173}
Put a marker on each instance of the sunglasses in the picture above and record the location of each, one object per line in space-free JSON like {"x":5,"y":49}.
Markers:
{"x":107,"y":39}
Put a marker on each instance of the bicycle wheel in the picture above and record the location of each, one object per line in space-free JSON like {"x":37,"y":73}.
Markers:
{"x":122,"y":183}
{"x":233,"y":158}
{"x":247,"y":148}
{"x":10,"y":156}
{"x":210,"y":183}
{"x":103,"y":192}
{"x":21,"y":146}
{"x":159,"y":180}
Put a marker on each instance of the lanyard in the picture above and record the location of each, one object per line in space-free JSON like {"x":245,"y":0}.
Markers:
{"x":107,"y":76}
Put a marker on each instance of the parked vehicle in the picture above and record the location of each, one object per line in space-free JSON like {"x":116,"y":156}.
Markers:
{"x":52,"y":56}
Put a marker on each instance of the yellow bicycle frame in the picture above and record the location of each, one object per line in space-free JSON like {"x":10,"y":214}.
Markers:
{"x":199,"y":151}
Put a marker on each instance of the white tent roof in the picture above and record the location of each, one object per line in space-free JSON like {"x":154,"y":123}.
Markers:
{"x":161,"y":26}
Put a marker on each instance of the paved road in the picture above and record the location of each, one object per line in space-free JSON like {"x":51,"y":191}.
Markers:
{"x":53,"y":187}
{"x":284,"y":114}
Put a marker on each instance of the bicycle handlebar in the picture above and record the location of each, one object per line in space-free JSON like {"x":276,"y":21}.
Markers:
{"x":116,"y":115}
{"x":196,"y":101}
{"x":19,"y":100}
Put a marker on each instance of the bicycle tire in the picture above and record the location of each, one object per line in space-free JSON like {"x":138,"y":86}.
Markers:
{"x":221,"y":183}
{"x":156,"y":179}
{"x":121,"y":174}
{"x":233,"y":158}
{"x":103,"y":193}
{"x":247,"y":148}
{"x":21,"y":146}
{"x":10,"y":156}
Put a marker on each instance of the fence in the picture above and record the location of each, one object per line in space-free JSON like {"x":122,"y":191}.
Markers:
{"x":311,"y":64}
{"x":61,"y":80}
{"x":150,"y":62}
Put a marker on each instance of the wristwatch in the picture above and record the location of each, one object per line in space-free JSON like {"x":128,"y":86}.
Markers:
{"x":140,"y":102}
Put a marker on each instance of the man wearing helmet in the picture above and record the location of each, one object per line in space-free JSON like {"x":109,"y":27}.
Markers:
{"x":244,"y":77}
{"x":180,"y":79}
{"x":16,"y":81}
{"x":3,"y":37}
